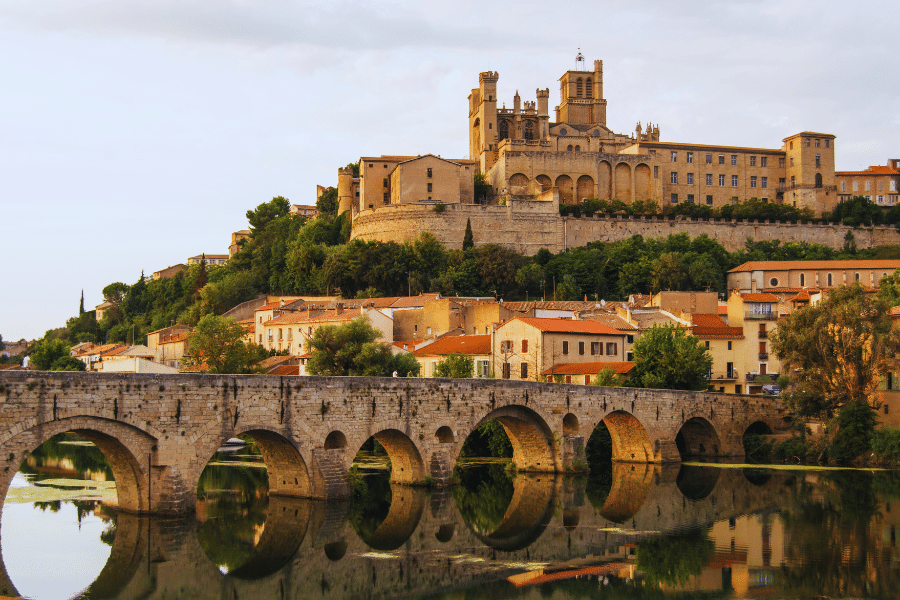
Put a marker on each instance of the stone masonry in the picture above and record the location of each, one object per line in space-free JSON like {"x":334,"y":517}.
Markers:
{"x":159,"y":431}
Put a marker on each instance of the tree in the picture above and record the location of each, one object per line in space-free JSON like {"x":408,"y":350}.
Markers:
{"x":842,"y":347}
{"x":456,"y":366}
{"x":327,"y":203}
{"x":81,"y":306}
{"x":468,"y":238}
{"x":67,"y":363}
{"x":666,"y":357}
{"x":607,"y":378}
{"x":219,"y":342}
{"x":2,"y":345}
{"x":46,"y":352}
{"x":339,"y":349}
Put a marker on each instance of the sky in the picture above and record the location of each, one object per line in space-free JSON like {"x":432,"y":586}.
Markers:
{"x":134,"y":135}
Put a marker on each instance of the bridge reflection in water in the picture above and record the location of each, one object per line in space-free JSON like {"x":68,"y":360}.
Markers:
{"x":427,"y":541}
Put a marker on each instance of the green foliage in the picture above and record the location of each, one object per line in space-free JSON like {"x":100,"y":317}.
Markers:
{"x":353,"y":349}
{"x":674,"y":560}
{"x":842,"y":346}
{"x":758,"y":449}
{"x":793,"y":448}
{"x":856,"y":424}
{"x":219,"y":342}
{"x":886,"y":443}
{"x":327,"y":203}
{"x":439,"y":207}
{"x":666,"y":357}
{"x":458,"y":366}
{"x":353,"y":166}
{"x":489,"y":440}
{"x":468,"y":237}
{"x":67,"y":363}
{"x":483,"y":496}
{"x":46,"y":352}
{"x":482,"y":188}
{"x":858,"y":211}
{"x":607,"y":378}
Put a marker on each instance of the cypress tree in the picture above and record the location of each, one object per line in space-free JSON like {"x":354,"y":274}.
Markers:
{"x":81,"y":308}
{"x":468,"y":240}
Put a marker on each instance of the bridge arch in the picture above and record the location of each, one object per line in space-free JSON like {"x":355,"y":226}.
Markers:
{"x":401,"y":521}
{"x":698,"y":438}
{"x":534,"y":448}
{"x":127,"y":449}
{"x":630,"y":442}
{"x":407,"y":466}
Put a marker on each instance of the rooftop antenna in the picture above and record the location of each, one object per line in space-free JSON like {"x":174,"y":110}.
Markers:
{"x":579,"y":61}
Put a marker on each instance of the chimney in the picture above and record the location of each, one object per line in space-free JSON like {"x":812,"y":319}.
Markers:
{"x":338,"y":308}
{"x":282,"y":302}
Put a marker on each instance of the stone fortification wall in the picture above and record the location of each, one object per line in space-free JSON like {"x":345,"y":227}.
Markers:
{"x":529,"y":226}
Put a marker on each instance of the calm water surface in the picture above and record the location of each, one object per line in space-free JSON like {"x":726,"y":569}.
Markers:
{"x":629,"y":531}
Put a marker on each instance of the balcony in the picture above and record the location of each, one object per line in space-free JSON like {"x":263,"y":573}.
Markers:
{"x":764,"y":376}
{"x":763,"y":335}
{"x":722,"y":376}
{"x":763,"y":356}
{"x":766,"y":316}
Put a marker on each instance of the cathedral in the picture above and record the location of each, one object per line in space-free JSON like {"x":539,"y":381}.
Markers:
{"x":535,"y":164}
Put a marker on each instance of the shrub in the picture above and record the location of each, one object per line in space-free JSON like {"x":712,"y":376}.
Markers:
{"x":886,"y":443}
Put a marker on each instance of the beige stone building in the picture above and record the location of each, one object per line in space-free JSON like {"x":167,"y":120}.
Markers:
{"x":524,"y":348}
{"x":756,"y":315}
{"x":534,"y":163}
{"x":879,"y":184}
{"x":292,"y":331}
{"x":756,"y":276}
{"x":169,"y":344}
{"x":476,"y":347}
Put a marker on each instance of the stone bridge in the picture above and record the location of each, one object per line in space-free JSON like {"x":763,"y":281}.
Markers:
{"x":159,"y":432}
{"x":309,"y":549}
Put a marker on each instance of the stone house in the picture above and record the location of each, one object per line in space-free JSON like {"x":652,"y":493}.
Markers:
{"x":767,"y":275}
{"x":878,"y":184}
{"x":477,"y":347}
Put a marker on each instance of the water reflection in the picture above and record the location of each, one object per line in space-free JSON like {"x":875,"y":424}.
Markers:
{"x":632,"y":531}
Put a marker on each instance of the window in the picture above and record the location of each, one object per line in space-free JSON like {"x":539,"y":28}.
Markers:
{"x":505,"y":346}
{"x":674,"y":157}
{"x":721,"y":159}
{"x":706,"y":343}
{"x":565,"y":348}
{"x":708,"y":200}
{"x":843,"y":186}
{"x":793,"y":181}
{"x":612,"y":348}
{"x":734,"y":181}
{"x":752,"y":161}
{"x":690,"y":157}
{"x":279,"y":334}
{"x":673,"y":177}
{"x":524,"y":346}
{"x":290,"y":333}
{"x":764,"y":182}
{"x":429,"y":172}
{"x":674,"y":198}
{"x":578,"y":86}
{"x":596,"y":348}
{"x":384,"y":182}
{"x":857,"y":277}
{"x":829,"y":280}
{"x":387,"y":198}
{"x":569,"y":148}
{"x":589,"y":88}
{"x":817,"y":143}
{"x":791,"y":145}
{"x":753,"y":181}
{"x":781,"y":162}
{"x":505,"y":370}
{"x":503,"y":131}
{"x":690,"y":179}
{"x":881,"y":186}
{"x":734,"y":159}
{"x":892,"y":186}
{"x":855,"y":186}
{"x":806,"y":142}
{"x":690,"y":199}
{"x":429,"y":188}
{"x":868,"y":185}
{"x":792,"y":161}
{"x":818,"y":180}
{"x":764,"y":161}
{"x":629,"y":339}
{"x":721,"y":180}
{"x":581,"y":348}
{"x":428,"y":331}
{"x":523,"y":370}
{"x":818,"y":160}
{"x":708,"y":159}
{"x":729,"y":347}
{"x":577,"y":148}
{"x":773,"y":282}
{"x":709,"y":179}
{"x":655,"y":172}
{"x":827,"y":143}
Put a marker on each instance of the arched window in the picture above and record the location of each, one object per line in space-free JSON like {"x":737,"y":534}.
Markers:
{"x":802,"y":280}
{"x":818,"y":180}
{"x":829,"y":280}
{"x":577,"y":148}
{"x":569,"y":148}
{"x":529,"y":130}
{"x":578,"y":85}
{"x":589,"y":88}
{"x":503,"y":130}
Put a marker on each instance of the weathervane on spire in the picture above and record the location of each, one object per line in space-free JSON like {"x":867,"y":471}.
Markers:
{"x":579,"y":61}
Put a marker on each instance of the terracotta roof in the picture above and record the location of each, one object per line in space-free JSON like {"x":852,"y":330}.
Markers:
{"x":114,"y":351}
{"x":572,"y":305}
{"x":718,"y":333}
{"x":358,"y":302}
{"x":326,"y":316}
{"x":610,"y":320}
{"x":273,"y":361}
{"x":285,"y":370}
{"x":759,"y":297}
{"x":12,"y":367}
{"x":639,"y":300}
{"x":457,"y":344}
{"x":874,"y":170}
{"x":707,"y":321}
{"x":568,"y":326}
{"x":590,"y":368}
{"x":174,"y":338}
{"x":195,"y":368}
{"x":802,"y":296}
{"x":177,"y":326}
{"x":411,"y":301}
{"x":723,"y":309}
{"x":787,"y":290}
{"x":811,"y":265}
{"x":406,"y":344}
{"x":99,"y":349}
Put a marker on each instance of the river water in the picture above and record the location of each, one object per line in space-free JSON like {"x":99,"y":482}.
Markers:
{"x":628,"y":531}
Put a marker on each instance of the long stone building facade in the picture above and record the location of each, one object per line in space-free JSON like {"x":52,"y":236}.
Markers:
{"x":528,"y":165}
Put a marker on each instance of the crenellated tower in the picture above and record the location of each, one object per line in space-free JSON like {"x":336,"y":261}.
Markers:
{"x":483,"y":120}
{"x":581,"y":97}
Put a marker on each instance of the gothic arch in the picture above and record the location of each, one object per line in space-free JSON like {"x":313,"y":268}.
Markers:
{"x":584,"y":187}
{"x":623,"y":182}
{"x":566,"y":193}
{"x":604,"y":173}
{"x":589,"y":88}
{"x":818,"y":180}
{"x":529,"y":130}
{"x":578,"y":87}
{"x":503,"y":130}
{"x":518,"y":185}
{"x":642,"y":189}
